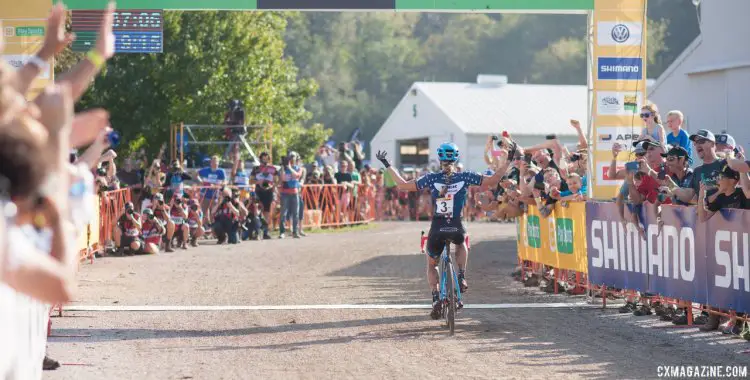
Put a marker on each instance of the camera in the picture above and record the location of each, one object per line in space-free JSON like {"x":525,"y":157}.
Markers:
{"x":551,"y":137}
{"x":101,"y":172}
{"x":151,"y":216}
{"x":575,"y":157}
{"x":284,"y":161}
{"x":540,"y":186}
{"x":632,"y":166}
{"x":177,"y":200}
{"x":527,"y":158}
{"x":161,"y":202}
{"x":236,"y":114}
{"x":227,"y":200}
{"x":495,"y":138}
{"x":130,"y":211}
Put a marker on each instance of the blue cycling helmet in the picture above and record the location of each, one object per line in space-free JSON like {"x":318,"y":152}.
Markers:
{"x":448,"y":152}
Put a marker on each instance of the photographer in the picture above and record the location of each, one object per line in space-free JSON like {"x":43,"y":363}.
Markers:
{"x":290,"y":179}
{"x":129,"y":228}
{"x":264,"y":178}
{"x":225,"y":213}
{"x":254,"y":221}
{"x":178,"y":214}
{"x":195,"y":220}
{"x":162,"y":213}
{"x":108,"y":170}
{"x":176,"y":180}
{"x":152,"y":232}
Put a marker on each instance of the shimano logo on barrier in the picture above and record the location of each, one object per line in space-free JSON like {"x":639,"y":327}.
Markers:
{"x":448,"y":229}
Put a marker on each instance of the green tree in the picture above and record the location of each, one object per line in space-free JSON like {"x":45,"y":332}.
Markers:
{"x":303,"y":140}
{"x":209,"y":58}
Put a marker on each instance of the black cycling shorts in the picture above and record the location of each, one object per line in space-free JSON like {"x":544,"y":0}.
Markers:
{"x":265,"y":197}
{"x":442,"y":231}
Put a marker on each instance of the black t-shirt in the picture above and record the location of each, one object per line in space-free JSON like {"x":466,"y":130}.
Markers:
{"x":129,"y":178}
{"x":708,"y":173}
{"x":736,"y":200}
{"x":343,"y":177}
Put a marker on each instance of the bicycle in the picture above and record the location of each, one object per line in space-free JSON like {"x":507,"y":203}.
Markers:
{"x":450,"y":292}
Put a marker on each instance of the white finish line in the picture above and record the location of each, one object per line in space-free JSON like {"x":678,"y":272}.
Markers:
{"x":324,"y":307}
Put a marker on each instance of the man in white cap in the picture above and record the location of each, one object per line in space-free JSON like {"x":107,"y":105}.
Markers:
{"x":704,"y":143}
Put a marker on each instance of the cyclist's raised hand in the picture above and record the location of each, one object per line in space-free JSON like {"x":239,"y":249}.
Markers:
{"x":381,"y":156}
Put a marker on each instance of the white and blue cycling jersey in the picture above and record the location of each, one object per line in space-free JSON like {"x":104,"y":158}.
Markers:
{"x":452,"y":202}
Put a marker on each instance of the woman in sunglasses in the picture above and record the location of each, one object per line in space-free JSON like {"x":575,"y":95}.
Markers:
{"x":653,"y":130}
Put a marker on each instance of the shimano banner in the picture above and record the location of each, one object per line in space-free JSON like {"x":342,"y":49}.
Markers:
{"x":707,"y":263}
{"x":728,"y":259}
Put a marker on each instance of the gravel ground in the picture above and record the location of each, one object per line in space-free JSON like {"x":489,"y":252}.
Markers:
{"x":380,"y":266}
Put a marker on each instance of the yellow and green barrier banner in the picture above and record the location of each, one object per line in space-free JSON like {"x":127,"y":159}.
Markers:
{"x":558,"y":240}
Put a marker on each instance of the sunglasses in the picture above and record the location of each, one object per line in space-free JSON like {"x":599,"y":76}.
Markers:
{"x":646,"y":115}
{"x":700,"y":141}
{"x":640,"y":154}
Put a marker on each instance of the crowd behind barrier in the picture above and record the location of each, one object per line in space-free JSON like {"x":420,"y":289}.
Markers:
{"x":679,"y":261}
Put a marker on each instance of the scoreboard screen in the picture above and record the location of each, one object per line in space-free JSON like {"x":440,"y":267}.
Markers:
{"x":135,"y":30}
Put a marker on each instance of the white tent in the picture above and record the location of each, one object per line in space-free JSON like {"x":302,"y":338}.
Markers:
{"x":466,"y":113}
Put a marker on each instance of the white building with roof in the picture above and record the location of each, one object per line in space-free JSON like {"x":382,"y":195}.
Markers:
{"x":710,"y":81}
{"x":466,"y":113}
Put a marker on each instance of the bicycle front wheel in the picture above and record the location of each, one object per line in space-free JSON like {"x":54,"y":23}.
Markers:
{"x":450,"y":309}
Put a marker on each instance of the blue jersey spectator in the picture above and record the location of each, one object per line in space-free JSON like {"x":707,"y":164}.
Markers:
{"x":678,"y":136}
{"x":212,"y":176}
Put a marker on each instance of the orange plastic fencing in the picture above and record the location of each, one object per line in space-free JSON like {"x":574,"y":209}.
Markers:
{"x":112,"y":204}
{"x":324,"y":205}
{"x":339,"y":205}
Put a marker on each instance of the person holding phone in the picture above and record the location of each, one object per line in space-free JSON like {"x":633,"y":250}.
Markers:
{"x":704,"y":144}
{"x":680,"y":174}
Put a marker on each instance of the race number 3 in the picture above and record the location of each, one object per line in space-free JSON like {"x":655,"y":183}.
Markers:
{"x":444,"y":206}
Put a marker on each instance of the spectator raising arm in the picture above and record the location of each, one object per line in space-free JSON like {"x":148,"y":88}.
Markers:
{"x":740,"y":166}
{"x":92,"y":156}
{"x":583,"y":143}
{"x":83,"y":73}
{"x":55,"y":41}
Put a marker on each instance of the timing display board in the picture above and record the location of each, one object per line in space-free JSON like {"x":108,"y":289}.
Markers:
{"x":135,"y":30}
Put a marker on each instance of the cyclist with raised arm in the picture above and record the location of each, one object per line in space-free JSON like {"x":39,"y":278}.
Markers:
{"x":448,"y":189}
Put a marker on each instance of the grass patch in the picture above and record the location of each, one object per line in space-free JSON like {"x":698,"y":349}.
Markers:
{"x":356,"y":227}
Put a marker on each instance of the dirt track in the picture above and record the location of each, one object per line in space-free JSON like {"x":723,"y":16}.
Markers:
{"x":375,"y":266}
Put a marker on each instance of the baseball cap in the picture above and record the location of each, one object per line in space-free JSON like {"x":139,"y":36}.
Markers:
{"x":704,"y":134}
{"x":640,"y":147}
{"x":728,"y":172}
{"x":726,"y":140}
{"x":677,"y":151}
